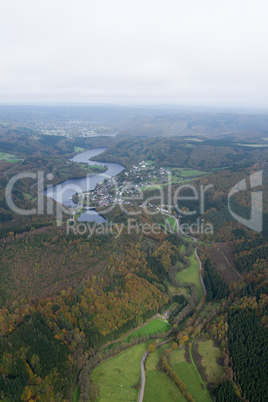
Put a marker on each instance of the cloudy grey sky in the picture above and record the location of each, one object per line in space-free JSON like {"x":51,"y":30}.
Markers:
{"x":187,"y":52}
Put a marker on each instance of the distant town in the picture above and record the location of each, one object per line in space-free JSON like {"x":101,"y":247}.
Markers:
{"x":128,"y":186}
{"x":73,"y":128}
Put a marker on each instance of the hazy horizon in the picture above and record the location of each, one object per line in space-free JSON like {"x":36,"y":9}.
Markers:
{"x":152,"y":53}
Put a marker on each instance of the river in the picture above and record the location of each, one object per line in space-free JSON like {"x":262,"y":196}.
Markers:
{"x":64,"y":191}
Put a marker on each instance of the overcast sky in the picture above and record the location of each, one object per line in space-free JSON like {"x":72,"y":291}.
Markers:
{"x":184,"y":52}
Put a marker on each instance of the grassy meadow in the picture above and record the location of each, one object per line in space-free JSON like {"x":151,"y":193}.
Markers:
{"x":156,"y":325}
{"x":188,"y":374}
{"x":118,"y":378}
{"x":76,"y":394}
{"x":78,"y":149}
{"x":159,"y":387}
{"x":210,"y":355}
{"x":8,"y":157}
{"x":191,"y":275}
{"x":153,"y":327}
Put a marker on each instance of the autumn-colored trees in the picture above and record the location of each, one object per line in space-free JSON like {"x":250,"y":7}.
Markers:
{"x":175,"y":378}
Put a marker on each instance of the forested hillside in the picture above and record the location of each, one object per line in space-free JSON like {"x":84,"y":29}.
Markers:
{"x":183,"y":152}
{"x":67,"y":300}
{"x":37,"y":153}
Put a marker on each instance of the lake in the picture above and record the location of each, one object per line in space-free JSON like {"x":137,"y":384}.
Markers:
{"x":64,"y":191}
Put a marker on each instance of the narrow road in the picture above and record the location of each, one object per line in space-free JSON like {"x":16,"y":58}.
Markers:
{"x":143,"y":378}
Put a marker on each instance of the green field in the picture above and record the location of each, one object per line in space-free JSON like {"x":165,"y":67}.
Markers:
{"x":191,"y":275}
{"x":118,"y":378}
{"x":182,"y":248}
{"x":89,"y":168}
{"x":8,"y":157}
{"x":189,"y":376}
{"x":153,"y":358}
{"x":159,"y":387}
{"x":152,"y":187}
{"x":27,"y":196}
{"x":156,"y":325}
{"x":153,"y":327}
{"x":78,"y":149}
{"x":99,"y":167}
{"x":170,"y":222}
{"x":210,"y":354}
{"x":76,"y":394}
{"x":179,"y":174}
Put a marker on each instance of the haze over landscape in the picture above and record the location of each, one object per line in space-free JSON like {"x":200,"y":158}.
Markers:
{"x":144,"y":52}
{"x":133,"y":201}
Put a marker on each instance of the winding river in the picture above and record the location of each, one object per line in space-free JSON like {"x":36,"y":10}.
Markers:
{"x":64,"y":191}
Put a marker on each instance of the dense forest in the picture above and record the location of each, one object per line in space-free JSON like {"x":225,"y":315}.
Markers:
{"x":32,"y":355}
{"x":182,"y":152}
{"x":64,"y":297}
{"x":248,"y":344}
{"x":226,"y":392}
{"x":216,"y":287}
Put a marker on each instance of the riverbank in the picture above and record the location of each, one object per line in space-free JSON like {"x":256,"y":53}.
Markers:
{"x":64,"y":191}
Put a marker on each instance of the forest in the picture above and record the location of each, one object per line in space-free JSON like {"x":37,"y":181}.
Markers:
{"x":249,"y":351}
{"x":216,"y":287}
{"x":65,"y":298}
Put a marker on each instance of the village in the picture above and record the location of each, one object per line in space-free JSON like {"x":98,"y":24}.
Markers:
{"x":127,"y":188}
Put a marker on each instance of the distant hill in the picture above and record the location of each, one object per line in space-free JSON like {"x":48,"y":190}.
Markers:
{"x":145,"y":121}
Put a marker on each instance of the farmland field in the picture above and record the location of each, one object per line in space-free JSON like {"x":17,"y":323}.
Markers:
{"x":159,"y":387}
{"x":179,"y":174}
{"x":78,"y":149}
{"x":153,"y":358}
{"x":153,"y":327}
{"x":156,"y":325}
{"x":118,"y":378}
{"x":189,"y":376}
{"x":8,"y":157}
{"x":170,"y":222}
{"x":210,"y":357}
